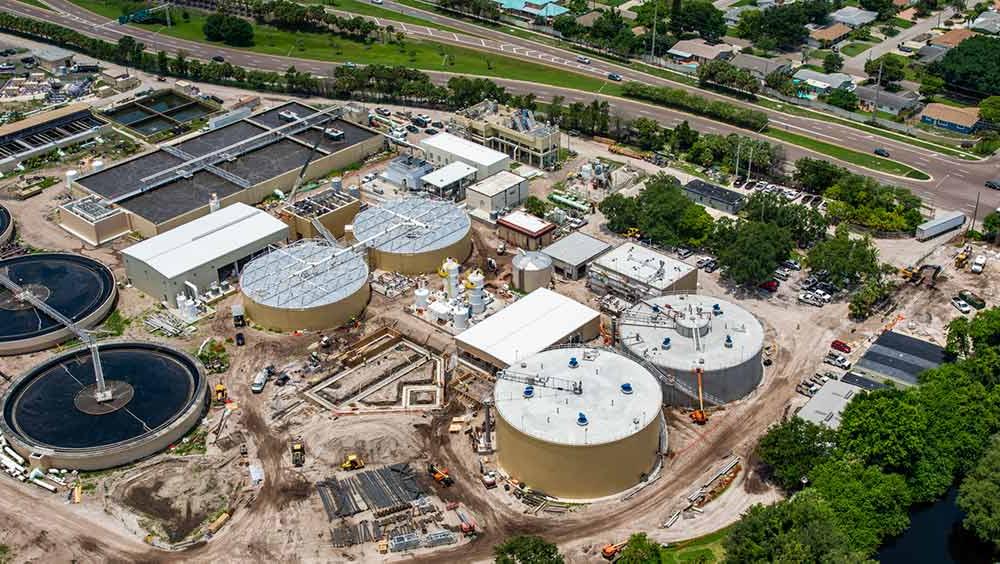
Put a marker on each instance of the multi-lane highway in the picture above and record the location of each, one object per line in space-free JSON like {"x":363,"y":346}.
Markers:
{"x":955,"y":183}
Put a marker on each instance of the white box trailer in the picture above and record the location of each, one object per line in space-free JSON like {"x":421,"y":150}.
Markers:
{"x":941,"y":224}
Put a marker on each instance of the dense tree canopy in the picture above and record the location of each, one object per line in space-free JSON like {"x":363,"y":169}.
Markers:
{"x":843,"y":99}
{"x":782,"y":27}
{"x":883,"y":428}
{"x":527,"y":549}
{"x":832,"y":62}
{"x":971,"y":336}
{"x":702,"y":17}
{"x":891,"y":67}
{"x":752,"y":250}
{"x":989,"y":110}
{"x":662,"y":213}
{"x":846,"y":258}
{"x":793,"y":448}
{"x":724,"y":74}
{"x":805,"y":224}
{"x":979,"y":496}
{"x":802,"y":529}
{"x":684,"y":100}
{"x":230,"y":30}
{"x":862,"y":200}
{"x":973,"y":65}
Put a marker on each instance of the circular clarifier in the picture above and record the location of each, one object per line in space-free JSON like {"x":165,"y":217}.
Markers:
{"x":78,"y":287}
{"x":53,"y":413}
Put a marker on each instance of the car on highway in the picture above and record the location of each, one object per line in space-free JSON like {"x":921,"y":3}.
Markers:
{"x":841,"y":346}
{"x":770,"y":286}
{"x":881,"y":152}
{"x":377,"y":2}
{"x":614,"y":76}
{"x":583,"y":60}
{"x":350,"y":65}
{"x":219,"y":59}
{"x":961,"y":305}
{"x":993,"y":184}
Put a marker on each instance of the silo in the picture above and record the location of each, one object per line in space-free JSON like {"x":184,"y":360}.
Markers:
{"x":578,"y":423}
{"x":681,"y":332}
{"x":532,"y":270}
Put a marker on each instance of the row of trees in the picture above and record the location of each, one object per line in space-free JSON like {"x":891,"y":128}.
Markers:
{"x":231,"y":30}
{"x":610,"y":31}
{"x":661,"y":212}
{"x":893,"y":448}
{"x":859,"y":199}
{"x":725,"y":74}
{"x":292,"y":16}
{"x":683,"y":100}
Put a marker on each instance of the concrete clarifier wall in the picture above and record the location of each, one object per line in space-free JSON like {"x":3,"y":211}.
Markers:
{"x":326,"y":316}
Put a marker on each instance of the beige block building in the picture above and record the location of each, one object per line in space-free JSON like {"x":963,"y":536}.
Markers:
{"x":511,"y":131}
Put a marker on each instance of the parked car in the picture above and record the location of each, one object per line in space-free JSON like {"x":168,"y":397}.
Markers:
{"x":412,"y":128}
{"x":838,"y":360}
{"x":993,"y":184}
{"x":377,"y":1}
{"x":781,"y":274}
{"x":770,"y":286}
{"x":437,"y":125}
{"x":806,"y":199}
{"x":979,"y":264}
{"x":792,"y":265}
{"x":811,"y":299}
{"x":809,"y":283}
{"x":283,"y":378}
{"x":384,"y":112}
{"x":711,"y":266}
{"x":841,"y":346}
{"x":430,"y":131}
{"x":818,"y":200}
{"x":614,"y":76}
{"x":368,"y":177}
{"x":582,"y":59}
{"x":960,"y":305}
{"x":684,"y":253}
{"x":971,"y":298}
{"x":882,"y":152}
{"x":702,"y":262}
{"x":819,"y":293}
{"x":219,"y":59}
{"x":828,"y":288}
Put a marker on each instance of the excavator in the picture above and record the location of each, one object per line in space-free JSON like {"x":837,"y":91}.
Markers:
{"x":440,"y":475}
{"x":611,"y":551}
{"x":699,"y":416}
{"x":298,"y":453}
{"x":962,"y":258}
{"x":915,"y":276}
{"x":352,"y":462}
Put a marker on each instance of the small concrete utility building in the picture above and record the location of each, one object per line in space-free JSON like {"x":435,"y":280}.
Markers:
{"x":190,"y":258}
{"x":636,"y":272}
{"x":571,"y":254}
{"x":444,"y":148}
{"x":535,"y":322}
{"x":713,"y":196}
{"x":825,"y":407}
{"x":593,"y":428}
{"x":450,"y":180}
{"x":502,"y":190}
{"x":523,"y":230}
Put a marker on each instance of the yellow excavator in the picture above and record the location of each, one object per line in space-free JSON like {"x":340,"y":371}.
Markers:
{"x":699,"y":416}
{"x":221,"y":394}
{"x":352,"y":462}
{"x":962,"y":258}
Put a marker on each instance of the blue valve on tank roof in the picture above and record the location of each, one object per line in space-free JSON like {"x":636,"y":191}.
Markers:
{"x":529,"y":391}
{"x":581,"y":419}
{"x":627,"y":388}
{"x":573,"y":363}
{"x":666,"y":343}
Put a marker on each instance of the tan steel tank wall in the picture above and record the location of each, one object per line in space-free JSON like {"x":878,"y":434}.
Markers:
{"x":9,"y":232}
{"x":577,"y":472}
{"x":422,"y":263}
{"x":52,"y":339}
{"x":314,"y":318}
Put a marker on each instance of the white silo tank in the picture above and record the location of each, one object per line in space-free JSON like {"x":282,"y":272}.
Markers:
{"x":337,"y":183}
{"x":532,"y":270}
{"x":449,"y":270}
{"x":475,"y":285}
{"x":96,"y":165}
{"x":460,"y":316}
{"x":71,"y":176}
{"x":213,"y":203}
{"x":421,"y":295}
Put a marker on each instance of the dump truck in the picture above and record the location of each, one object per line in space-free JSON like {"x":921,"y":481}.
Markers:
{"x":352,"y":462}
{"x":298,"y":453}
{"x":972,"y":299}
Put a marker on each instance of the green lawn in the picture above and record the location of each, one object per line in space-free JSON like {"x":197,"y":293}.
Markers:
{"x":744,"y":3}
{"x":901,"y":23}
{"x":856,"y":48}
{"x":418,"y":54}
{"x":944,"y":99}
{"x":847,"y":155}
{"x":612,"y":3}
{"x":368,"y":9}
{"x":35,"y":3}
{"x":703,"y":550}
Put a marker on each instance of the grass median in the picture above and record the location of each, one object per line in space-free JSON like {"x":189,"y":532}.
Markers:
{"x":872,"y":162}
{"x":415,"y":53}
{"x":366,"y":9}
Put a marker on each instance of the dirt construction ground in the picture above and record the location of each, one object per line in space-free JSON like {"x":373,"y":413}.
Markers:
{"x":283,"y":520}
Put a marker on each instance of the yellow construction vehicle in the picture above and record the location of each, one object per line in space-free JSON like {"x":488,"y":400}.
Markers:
{"x":440,"y":475}
{"x":907,"y":274}
{"x":352,"y":462}
{"x":221,"y":394}
{"x":298,"y":453}
{"x":699,"y":415}
{"x":610,"y":551}
{"x":962,"y":258}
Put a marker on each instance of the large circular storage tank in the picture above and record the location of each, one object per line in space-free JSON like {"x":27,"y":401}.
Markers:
{"x":6,"y":226}
{"x":78,"y":287}
{"x":50,"y":418}
{"x":682,"y":332}
{"x":414,"y":235}
{"x":309,"y":284}
{"x":587,"y":445}
{"x":532,"y":270}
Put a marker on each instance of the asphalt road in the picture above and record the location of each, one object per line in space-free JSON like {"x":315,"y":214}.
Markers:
{"x":955,"y":183}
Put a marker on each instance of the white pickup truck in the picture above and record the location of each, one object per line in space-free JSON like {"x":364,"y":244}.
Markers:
{"x":979,"y":264}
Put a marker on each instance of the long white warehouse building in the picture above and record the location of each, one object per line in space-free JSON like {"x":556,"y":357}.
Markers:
{"x":444,"y":148}
{"x":190,"y":258}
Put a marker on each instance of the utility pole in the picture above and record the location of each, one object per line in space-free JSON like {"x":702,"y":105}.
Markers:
{"x":975,"y":212}
{"x":656,"y":8}
{"x":878,"y":89}
{"x":738,"y":147}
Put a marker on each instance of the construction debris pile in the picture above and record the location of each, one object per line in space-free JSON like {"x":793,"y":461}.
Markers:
{"x":384,"y":491}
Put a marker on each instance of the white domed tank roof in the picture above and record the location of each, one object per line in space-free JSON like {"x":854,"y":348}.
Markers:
{"x":683,"y":332}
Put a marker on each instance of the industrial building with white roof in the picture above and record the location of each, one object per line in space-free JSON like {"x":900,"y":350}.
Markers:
{"x":445,"y":148}
{"x":203,"y":252}
{"x":571,"y":254}
{"x":638,"y":272}
{"x":502,"y":190}
{"x":535,"y":322}
{"x":825,"y":407}
{"x":450,"y":180}
{"x":579,"y":423}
